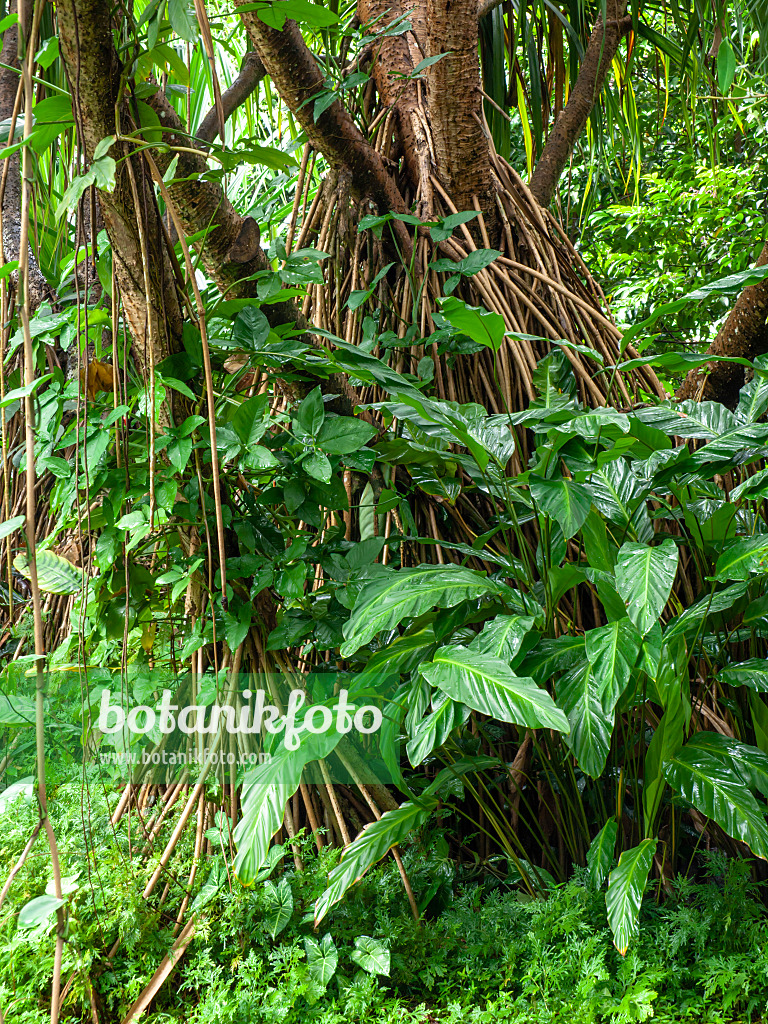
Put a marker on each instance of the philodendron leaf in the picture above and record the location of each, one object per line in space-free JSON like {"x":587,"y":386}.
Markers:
{"x":590,"y":727}
{"x":644,"y":578}
{"x":744,"y":558}
{"x":600,"y":852}
{"x":719,"y":792}
{"x":384,"y":602}
{"x":625,"y":892}
{"x":431,"y":732}
{"x":322,"y":959}
{"x":612,"y":651}
{"x":279,"y":899}
{"x":374,"y":841}
{"x":38,"y":911}
{"x":489,"y":685}
{"x":567,"y":502}
{"x":371,"y":955}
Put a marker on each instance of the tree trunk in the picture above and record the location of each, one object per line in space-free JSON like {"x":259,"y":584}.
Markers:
{"x":743,"y":334}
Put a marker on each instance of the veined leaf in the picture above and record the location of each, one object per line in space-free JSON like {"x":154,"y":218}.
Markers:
{"x":371,"y":955}
{"x":322,"y":959}
{"x":567,"y":502}
{"x":752,"y":673}
{"x":743,"y":558}
{"x":503,"y":636}
{"x":625,"y":892}
{"x":279,"y":899}
{"x":644,"y":578}
{"x":431,"y":732}
{"x":488,"y":685}
{"x":55,"y":575}
{"x":689,"y":620}
{"x":590,"y":727}
{"x":600,"y":852}
{"x":612,"y":651}
{"x":383,"y":603}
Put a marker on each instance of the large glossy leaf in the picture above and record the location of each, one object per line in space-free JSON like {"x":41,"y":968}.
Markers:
{"x":644,"y":578}
{"x":503,"y":636}
{"x":590,"y":727}
{"x":322,"y":958}
{"x":55,"y":575}
{"x":625,"y":892}
{"x":431,"y":732}
{"x":279,"y":900}
{"x":749,"y":762}
{"x":16,"y":710}
{"x":612,"y":651}
{"x":567,"y":502}
{"x":665,"y":742}
{"x":371,"y":955}
{"x":690,"y":620}
{"x":743,"y":558}
{"x":600,"y":852}
{"x":371,"y":845}
{"x":488,"y":685}
{"x":620,"y":497}
{"x":383,"y":603}
{"x":701,"y":420}
{"x":752,"y":673}
{"x":718,"y":792}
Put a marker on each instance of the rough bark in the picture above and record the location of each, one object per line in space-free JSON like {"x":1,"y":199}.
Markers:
{"x":743,"y":334}
{"x":9,"y":85}
{"x":299,"y":80}
{"x":455,"y":105}
{"x":252,"y":71}
{"x":601,"y":49}
{"x":93,"y":70}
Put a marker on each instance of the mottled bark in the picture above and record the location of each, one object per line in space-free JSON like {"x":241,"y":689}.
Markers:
{"x":743,"y":334}
{"x":154,"y":314}
{"x":455,"y":105}
{"x":299,"y":80}
{"x":601,"y":49}
{"x":11,"y":205}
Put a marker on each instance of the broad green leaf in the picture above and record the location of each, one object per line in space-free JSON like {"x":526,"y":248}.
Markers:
{"x":754,"y":487}
{"x":251,"y":419}
{"x":726,"y":66}
{"x":752,"y":673}
{"x":38,"y":911}
{"x":600,"y":852}
{"x":217,"y":879}
{"x":342,"y":435}
{"x":22,"y":790}
{"x":689,"y":419}
{"x":590,"y":727}
{"x":376,"y":839}
{"x":16,"y":710}
{"x":620,"y":496}
{"x":690,"y":620}
{"x":743,"y":558}
{"x":612,"y":651}
{"x":11,"y":525}
{"x":665,"y":742}
{"x":749,"y":762}
{"x":625,"y":892}
{"x":279,"y":900}
{"x":317,"y":466}
{"x":55,"y":575}
{"x":487,"y":684}
{"x":371,"y":955}
{"x":567,"y":502}
{"x":719,"y":793}
{"x":384,"y":602}
{"x":485,"y":328}
{"x":432,"y":731}
{"x":322,"y":959}
{"x":503,"y":636}
{"x":311,"y":413}
{"x":182,"y":21}
{"x":644,"y":578}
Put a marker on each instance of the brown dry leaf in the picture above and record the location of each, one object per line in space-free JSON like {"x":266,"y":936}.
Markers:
{"x":101,"y":377}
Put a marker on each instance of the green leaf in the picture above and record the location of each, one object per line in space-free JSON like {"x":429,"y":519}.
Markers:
{"x":612,"y":651}
{"x":38,"y":911}
{"x":342,"y":435}
{"x":503,"y":636}
{"x":23,"y":789}
{"x":644,"y":578}
{"x":666,"y":741}
{"x":279,"y":900}
{"x":488,"y":685}
{"x":16,"y":709}
{"x":376,"y":839}
{"x":276,"y":14}
{"x":590,"y":727}
{"x":431,"y":732}
{"x":55,"y":575}
{"x":625,"y":892}
{"x":690,"y":620}
{"x":48,"y":52}
{"x":478,"y":324}
{"x":726,"y":66}
{"x":11,"y":525}
{"x":311,"y":413}
{"x":752,"y":673}
{"x":719,"y":793}
{"x":371,"y":955}
{"x":251,"y":419}
{"x":217,"y":879}
{"x":567,"y":502}
{"x":322,"y":959}
{"x":743,"y":558}
{"x":318,"y":467}
{"x":600,"y":852}
{"x":182,"y":21}
{"x":384,"y":602}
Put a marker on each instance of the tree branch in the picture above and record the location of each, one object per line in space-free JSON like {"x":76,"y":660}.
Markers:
{"x":601,"y":49}
{"x":251,"y":73}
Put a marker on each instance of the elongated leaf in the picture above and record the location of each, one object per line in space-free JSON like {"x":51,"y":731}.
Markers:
{"x":590,"y":727}
{"x":690,"y":620}
{"x":718,"y":792}
{"x":279,"y":900}
{"x":431,"y":732}
{"x":752,"y":673}
{"x":644,"y":578}
{"x":503,"y":636}
{"x":567,"y":502}
{"x":10,"y":525}
{"x":612,"y":651}
{"x":16,"y":709}
{"x":383,"y":603}
{"x":625,"y":892}
{"x":478,"y":324}
{"x":55,"y":574}
{"x":487,"y":684}
{"x":371,"y":845}
{"x":38,"y":911}
{"x":749,"y":762}
{"x":600,"y":852}
{"x":743,"y":558}
{"x":322,"y":959}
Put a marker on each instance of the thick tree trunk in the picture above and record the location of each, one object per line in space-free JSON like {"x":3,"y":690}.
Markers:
{"x":601,"y":49}
{"x":135,"y":229}
{"x":743,"y":334}
{"x":9,"y":90}
{"x":456,"y":105}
